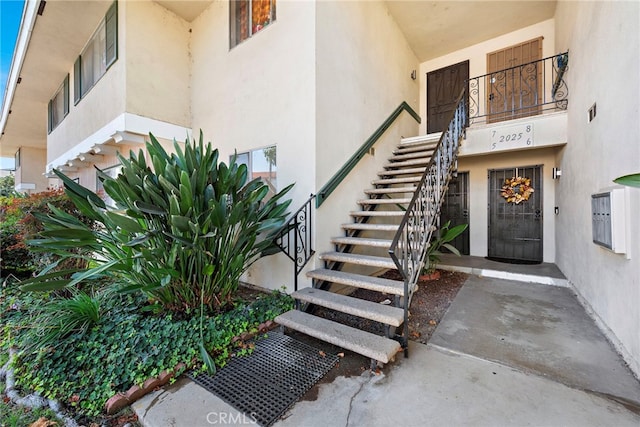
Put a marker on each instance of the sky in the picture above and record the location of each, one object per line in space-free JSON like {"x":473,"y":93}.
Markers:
{"x":10,"y":16}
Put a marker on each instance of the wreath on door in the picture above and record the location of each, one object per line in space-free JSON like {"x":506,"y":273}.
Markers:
{"x":517,"y":189}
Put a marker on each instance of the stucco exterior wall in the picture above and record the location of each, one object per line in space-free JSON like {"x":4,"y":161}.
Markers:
{"x":547,"y":130}
{"x":31,"y":169}
{"x":157,"y":63}
{"x":258,"y":94}
{"x":603,"y":41}
{"x":478,"y":168}
{"x":363,"y":66}
{"x":477,"y":57}
{"x":104,"y":101}
{"x":139,"y":82}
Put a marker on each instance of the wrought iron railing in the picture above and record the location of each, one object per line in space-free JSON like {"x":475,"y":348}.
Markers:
{"x":295,"y":238}
{"x":519,"y":91}
{"x":410,"y":244}
{"x":342,"y":173}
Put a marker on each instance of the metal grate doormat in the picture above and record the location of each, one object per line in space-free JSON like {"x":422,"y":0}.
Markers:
{"x":267,"y":382}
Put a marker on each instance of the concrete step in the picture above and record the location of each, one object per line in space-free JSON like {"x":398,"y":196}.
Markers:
{"x":378,"y":284}
{"x":373,"y":346}
{"x":384,"y":201}
{"x":391,"y":190}
{"x":357,"y":259}
{"x":369,"y":227}
{"x":422,"y":161}
{"x":361,"y":241}
{"x":391,"y":181}
{"x":432,"y":138}
{"x":386,"y":314}
{"x":375,"y":227}
{"x":417,"y":144}
{"x":416,"y":149}
{"x":415,"y":155}
{"x":377,"y":213}
{"x":397,"y":172}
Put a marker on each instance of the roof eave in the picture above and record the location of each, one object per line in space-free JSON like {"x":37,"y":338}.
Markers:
{"x":29,"y":15}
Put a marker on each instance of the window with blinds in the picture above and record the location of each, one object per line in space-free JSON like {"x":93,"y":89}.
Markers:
{"x":98,"y":55}
{"x":58,"y":105}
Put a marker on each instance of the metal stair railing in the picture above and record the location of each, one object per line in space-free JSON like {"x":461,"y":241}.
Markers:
{"x":295,"y":238}
{"x":410,"y":244}
{"x":342,"y":173}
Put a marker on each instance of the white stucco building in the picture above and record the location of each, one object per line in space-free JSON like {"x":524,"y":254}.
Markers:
{"x":315,"y":79}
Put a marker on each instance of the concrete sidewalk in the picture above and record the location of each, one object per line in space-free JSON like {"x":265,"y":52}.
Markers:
{"x":506,"y":354}
{"x":435,"y":387}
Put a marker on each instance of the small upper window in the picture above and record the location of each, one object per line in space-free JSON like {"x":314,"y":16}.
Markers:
{"x":247,"y":17}
{"x":59,"y":105}
{"x":98,"y":54}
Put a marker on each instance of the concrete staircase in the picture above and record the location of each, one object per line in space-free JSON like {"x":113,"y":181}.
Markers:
{"x":364,"y":247}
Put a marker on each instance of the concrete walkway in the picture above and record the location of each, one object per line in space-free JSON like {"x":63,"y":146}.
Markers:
{"x":507,"y":353}
{"x":544,"y":273}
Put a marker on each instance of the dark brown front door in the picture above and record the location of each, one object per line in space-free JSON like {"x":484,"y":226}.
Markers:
{"x":443,"y":87}
{"x":514,"y":81}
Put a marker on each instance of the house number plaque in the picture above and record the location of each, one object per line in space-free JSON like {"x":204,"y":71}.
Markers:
{"x":508,"y":137}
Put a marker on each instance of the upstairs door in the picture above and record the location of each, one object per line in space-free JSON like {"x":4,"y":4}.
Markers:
{"x":443,"y":87}
{"x":514,"y":81}
{"x":515,"y":224}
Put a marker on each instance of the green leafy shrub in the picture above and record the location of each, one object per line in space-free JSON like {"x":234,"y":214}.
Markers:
{"x":184,"y":228}
{"x":18,"y":223}
{"x":442,"y":239}
{"x":56,"y":319}
{"x":7,"y":184}
{"x":128,"y":346}
{"x":632,"y":180}
{"x":14,"y":258}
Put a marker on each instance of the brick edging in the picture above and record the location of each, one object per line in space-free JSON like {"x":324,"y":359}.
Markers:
{"x":120,"y":400}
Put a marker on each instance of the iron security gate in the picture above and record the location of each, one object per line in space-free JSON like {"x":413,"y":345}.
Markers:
{"x":443,"y":87}
{"x":455,"y":208}
{"x":515,"y":214}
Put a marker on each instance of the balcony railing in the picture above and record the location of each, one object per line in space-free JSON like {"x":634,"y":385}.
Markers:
{"x":521,"y":91}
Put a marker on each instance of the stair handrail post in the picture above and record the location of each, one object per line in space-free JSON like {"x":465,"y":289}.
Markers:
{"x":302,"y":241}
{"x":295,"y":245}
{"x":417,"y":224}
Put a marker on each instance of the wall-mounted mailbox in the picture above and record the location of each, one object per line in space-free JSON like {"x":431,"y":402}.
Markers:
{"x":608,"y":220}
